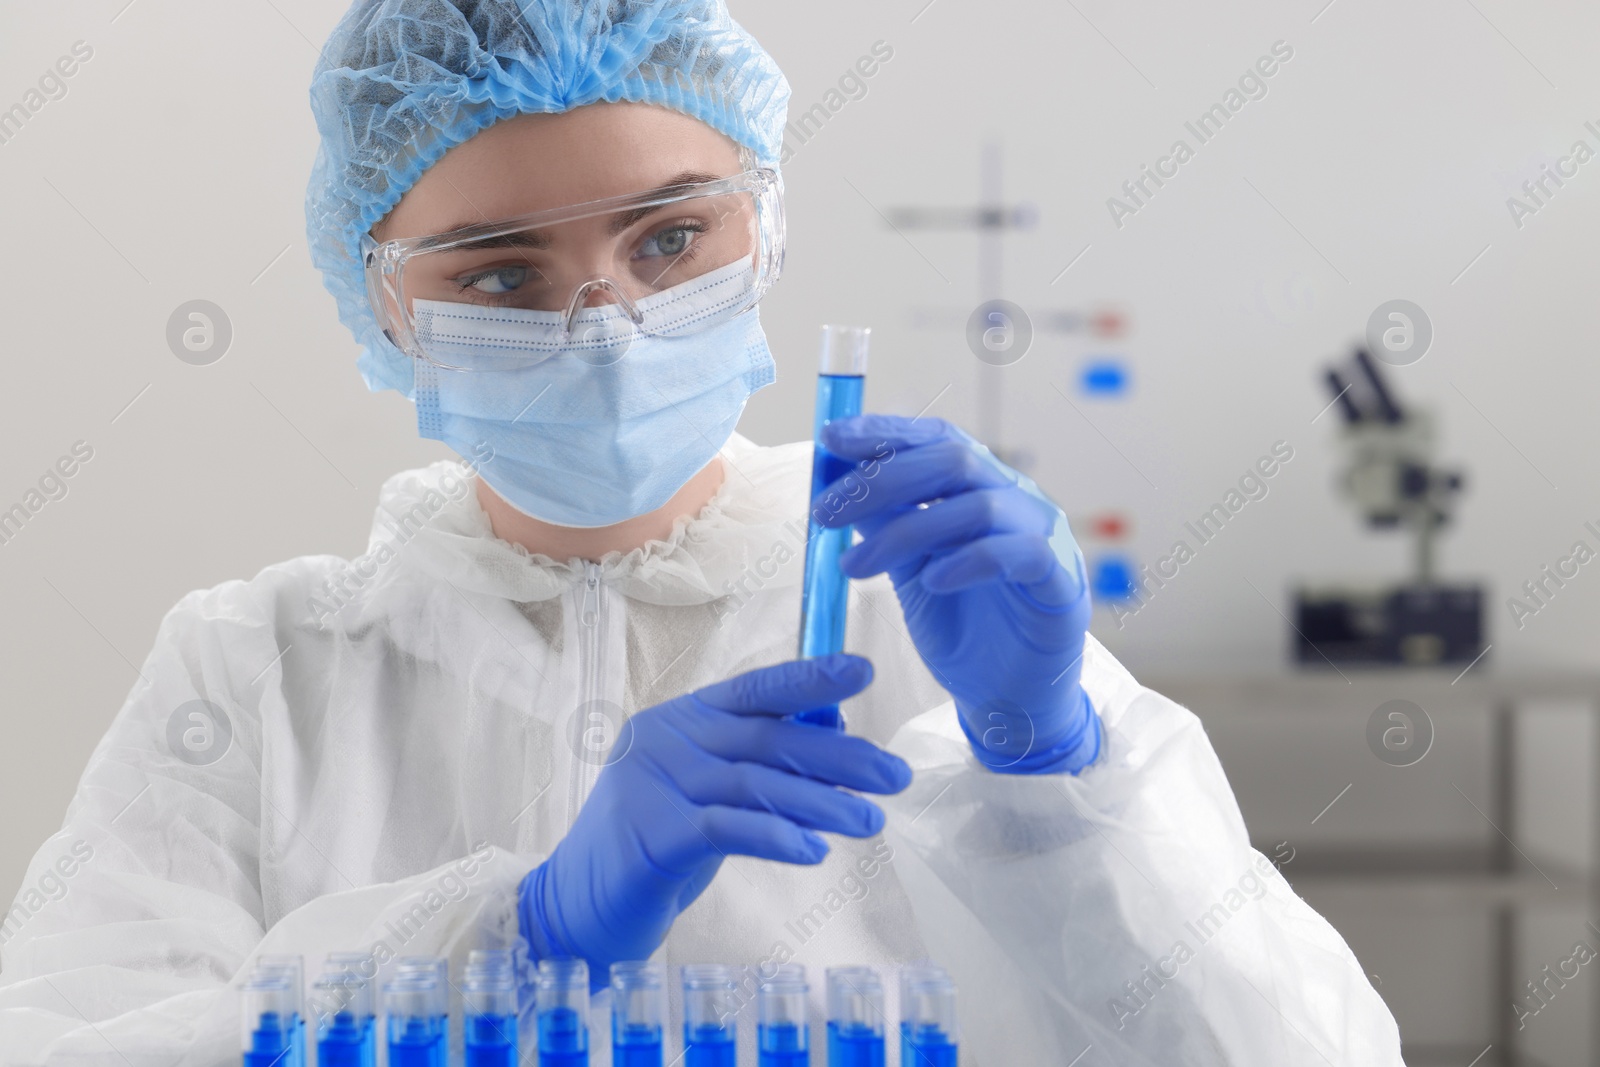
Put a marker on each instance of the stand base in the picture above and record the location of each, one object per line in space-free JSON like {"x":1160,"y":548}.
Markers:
{"x":1410,"y":625}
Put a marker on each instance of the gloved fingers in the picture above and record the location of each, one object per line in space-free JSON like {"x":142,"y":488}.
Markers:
{"x":789,"y":687}
{"x":802,"y":801}
{"x":865,"y":437}
{"x":689,"y":835}
{"x":742,"y":832}
{"x":676,"y":843}
{"x":826,"y":756}
{"x":868,"y":525}
{"x":934,"y":471}
{"x":906,"y":541}
{"x":1025,"y":559}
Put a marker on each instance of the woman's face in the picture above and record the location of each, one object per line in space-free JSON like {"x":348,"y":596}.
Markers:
{"x":534,"y":163}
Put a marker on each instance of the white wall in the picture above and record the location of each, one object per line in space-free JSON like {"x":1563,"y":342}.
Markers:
{"x":1377,"y":166}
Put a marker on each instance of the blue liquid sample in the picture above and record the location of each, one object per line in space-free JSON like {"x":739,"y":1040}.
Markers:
{"x":708,"y":1046}
{"x":784,"y":1045}
{"x":271,"y":1042}
{"x":415,"y":1041}
{"x":441,"y":1055}
{"x":563,"y":1039}
{"x":854,"y":1046}
{"x":491,"y":1040}
{"x":926,"y":1046}
{"x":825,"y":594}
{"x":636,"y":1046}
{"x":342,"y":1043}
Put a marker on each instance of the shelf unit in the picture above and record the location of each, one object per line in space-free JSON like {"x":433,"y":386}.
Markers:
{"x":1498,"y":878}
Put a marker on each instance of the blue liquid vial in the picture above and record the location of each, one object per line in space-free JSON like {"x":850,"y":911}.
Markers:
{"x":269,"y":1022}
{"x":638,"y":1014}
{"x":415,"y":1036}
{"x":783,"y":1034}
{"x":491,"y":1041}
{"x":929,"y":1048}
{"x":361,"y":967}
{"x":340,"y":1041}
{"x":927,"y":1017}
{"x":342,"y":1005}
{"x":855,"y":1017}
{"x":855,"y":1045}
{"x":562,"y":1002}
{"x":489,"y":1014}
{"x":439,"y":969}
{"x":824,"y":598}
{"x":709,"y":1036}
{"x":268,"y":1041}
{"x":709,"y":1046}
{"x":292,"y":970}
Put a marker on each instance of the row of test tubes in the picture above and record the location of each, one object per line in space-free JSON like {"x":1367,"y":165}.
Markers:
{"x":857,"y":1021}
{"x":342,"y":1009}
{"x":343,"y":1013}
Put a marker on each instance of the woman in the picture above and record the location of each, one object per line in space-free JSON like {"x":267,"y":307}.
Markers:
{"x":551,"y":705}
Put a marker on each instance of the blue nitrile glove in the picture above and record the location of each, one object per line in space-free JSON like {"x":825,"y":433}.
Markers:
{"x":712,"y":774}
{"x":988,"y":575}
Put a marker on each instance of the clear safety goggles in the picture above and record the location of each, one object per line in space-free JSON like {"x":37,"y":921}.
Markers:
{"x":598,"y":266}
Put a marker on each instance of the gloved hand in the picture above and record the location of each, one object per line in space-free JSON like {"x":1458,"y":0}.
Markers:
{"x":712,"y":774}
{"x":988,"y":575}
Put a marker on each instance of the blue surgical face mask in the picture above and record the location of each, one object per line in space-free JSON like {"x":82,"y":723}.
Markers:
{"x":597,"y":421}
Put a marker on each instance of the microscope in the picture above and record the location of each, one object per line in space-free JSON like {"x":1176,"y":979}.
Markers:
{"x":1393,"y":483}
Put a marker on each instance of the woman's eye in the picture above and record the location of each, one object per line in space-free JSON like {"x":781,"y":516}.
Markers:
{"x":495,"y":282}
{"x":672,"y":242}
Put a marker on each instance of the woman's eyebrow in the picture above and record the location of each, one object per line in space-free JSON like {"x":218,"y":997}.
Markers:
{"x":622,"y":220}
{"x":517,"y":239}
{"x":617,"y":224}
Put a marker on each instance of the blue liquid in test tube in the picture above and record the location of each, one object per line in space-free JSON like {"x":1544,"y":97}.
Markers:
{"x":638,"y":1014}
{"x":489,"y":1014}
{"x":783,"y":1034}
{"x":927,"y":1018}
{"x":342,"y":1001}
{"x":708,"y":1019}
{"x":416,"y":1037}
{"x":339,"y":1042}
{"x":270,"y":1017}
{"x":825,"y":594}
{"x":855,"y":1017}
{"x":355,"y":965}
{"x":292,"y":970}
{"x":439,"y":969}
{"x":563,"y":1007}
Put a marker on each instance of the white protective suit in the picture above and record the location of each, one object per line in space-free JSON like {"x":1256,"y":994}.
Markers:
{"x":411,"y":732}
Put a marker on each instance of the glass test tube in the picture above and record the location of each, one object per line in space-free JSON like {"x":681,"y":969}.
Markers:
{"x":489,"y":1013}
{"x":824,"y":599}
{"x":928,"y":1036}
{"x":783,"y":1036}
{"x":495,"y":963}
{"x":909,"y":973}
{"x":439,"y":969}
{"x":638,"y":1014}
{"x":708,"y":1026}
{"x":342,"y":1005}
{"x":495,"y":959}
{"x":360,"y":965}
{"x":416,"y":1037}
{"x":855,"y":1017}
{"x":562,"y":998}
{"x":293,"y":970}
{"x":268,"y":1021}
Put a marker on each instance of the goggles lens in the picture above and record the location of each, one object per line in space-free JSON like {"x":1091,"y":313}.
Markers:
{"x":608,"y":259}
